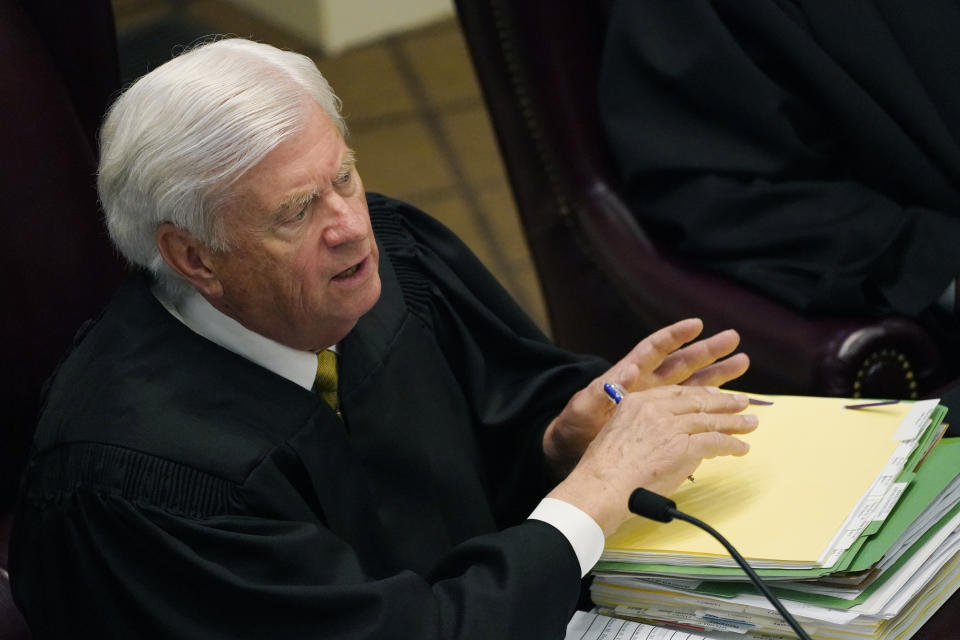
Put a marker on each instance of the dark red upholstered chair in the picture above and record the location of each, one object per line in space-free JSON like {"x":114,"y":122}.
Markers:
{"x":58,"y":66}
{"x":604,"y":283}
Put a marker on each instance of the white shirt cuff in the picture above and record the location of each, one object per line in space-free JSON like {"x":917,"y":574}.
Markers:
{"x":584,"y":535}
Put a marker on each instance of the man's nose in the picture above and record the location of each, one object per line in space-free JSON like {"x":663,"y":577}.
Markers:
{"x":348,"y":222}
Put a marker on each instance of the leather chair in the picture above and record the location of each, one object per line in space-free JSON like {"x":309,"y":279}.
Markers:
{"x":58,"y":64}
{"x":605,"y":284}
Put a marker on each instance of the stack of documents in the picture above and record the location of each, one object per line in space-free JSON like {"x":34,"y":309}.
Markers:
{"x":852,"y":516}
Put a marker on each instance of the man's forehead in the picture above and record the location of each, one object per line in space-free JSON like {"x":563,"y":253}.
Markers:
{"x":314,"y":181}
{"x":318,"y":169}
{"x":305,"y":161}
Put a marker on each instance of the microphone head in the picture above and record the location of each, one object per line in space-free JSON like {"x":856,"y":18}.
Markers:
{"x":651,"y":505}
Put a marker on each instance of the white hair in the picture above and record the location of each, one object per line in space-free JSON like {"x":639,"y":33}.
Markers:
{"x":180,"y":136}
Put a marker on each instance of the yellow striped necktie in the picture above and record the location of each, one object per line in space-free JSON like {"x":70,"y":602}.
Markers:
{"x":325,"y":384}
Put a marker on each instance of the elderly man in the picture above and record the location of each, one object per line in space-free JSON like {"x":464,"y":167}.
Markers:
{"x":195,"y":476}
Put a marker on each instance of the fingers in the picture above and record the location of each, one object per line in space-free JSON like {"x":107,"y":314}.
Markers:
{"x":713,"y":444}
{"x":655,"y":348}
{"x":662,"y":358}
{"x":686,"y":399}
{"x":698,"y":423}
{"x":683,"y":363}
{"x":693,"y":410}
{"x":629,"y":374}
{"x":670,"y":391}
{"x":596,"y":398}
{"x":721,"y":372}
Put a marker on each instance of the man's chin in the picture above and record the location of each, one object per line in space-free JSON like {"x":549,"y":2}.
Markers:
{"x":363,"y":304}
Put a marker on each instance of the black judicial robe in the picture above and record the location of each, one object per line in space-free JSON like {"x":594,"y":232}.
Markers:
{"x":178,"y":490}
{"x":810,"y":148}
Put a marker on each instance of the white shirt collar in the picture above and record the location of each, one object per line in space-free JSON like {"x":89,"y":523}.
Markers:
{"x":193,"y":310}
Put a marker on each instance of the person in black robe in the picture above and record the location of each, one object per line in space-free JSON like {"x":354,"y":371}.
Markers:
{"x":808,"y":148}
{"x":187,"y":482}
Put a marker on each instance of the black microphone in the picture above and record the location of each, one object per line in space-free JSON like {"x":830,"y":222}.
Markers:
{"x":656,"y":507}
{"x":652,"y":505}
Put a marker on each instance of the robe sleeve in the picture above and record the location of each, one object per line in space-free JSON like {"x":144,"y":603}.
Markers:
{"x":268,"y":557}
{"x":744,"y":146}
{"x":514,"y":378}
{"x":106,"y":566}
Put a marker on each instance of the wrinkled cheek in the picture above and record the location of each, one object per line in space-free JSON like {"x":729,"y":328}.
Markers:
{"x":299,"y":293}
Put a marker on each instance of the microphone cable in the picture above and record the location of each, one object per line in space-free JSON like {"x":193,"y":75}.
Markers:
{"x":656,"y":507}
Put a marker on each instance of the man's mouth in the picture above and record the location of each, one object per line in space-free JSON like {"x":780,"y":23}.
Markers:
{"x":348,"y":272}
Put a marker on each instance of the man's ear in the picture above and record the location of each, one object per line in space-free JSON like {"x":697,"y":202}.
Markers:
{"x":187,"y":255}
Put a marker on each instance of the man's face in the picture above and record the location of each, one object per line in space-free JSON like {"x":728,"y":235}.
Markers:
{"x":303,"y":266}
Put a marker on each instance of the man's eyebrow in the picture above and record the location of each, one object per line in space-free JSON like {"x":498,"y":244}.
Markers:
{"x":294,"y":202}
{"x":349,"y":158}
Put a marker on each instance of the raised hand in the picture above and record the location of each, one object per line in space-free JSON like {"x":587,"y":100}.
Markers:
{"x":654,"y":439}
{"x":661,"y":358}
{"x":666,"y":357}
